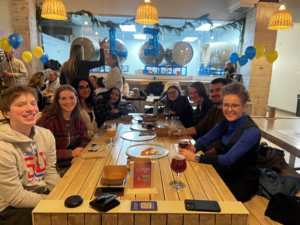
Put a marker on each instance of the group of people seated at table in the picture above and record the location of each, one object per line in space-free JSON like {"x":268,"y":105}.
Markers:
{"x":36,"y":153}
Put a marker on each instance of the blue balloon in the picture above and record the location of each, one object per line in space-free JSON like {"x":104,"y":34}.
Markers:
{"x":234,"y":58}
{"x":15,"y":40}
{"x":44,"y":58}
{"x":250,"y":52}
{"x":243,"y":60}
{"x":112,"y":44}
{"x":154,"y":42}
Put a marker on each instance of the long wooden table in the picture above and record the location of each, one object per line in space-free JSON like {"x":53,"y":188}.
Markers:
{"x":202,"y":183}
{"x":284,"y":132}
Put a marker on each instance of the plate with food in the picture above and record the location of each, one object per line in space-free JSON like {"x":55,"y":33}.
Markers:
{"x":151,"y":151}
{"x":149,"y":118}
{"x":138,"y":135}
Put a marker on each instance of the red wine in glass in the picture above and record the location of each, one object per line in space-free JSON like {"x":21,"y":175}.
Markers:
{"x":178,"y":164}
{"x":183,"y":144}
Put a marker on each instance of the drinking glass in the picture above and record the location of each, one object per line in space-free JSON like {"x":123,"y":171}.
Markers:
{"x":183,"y":141}
{"x":111,"y":131}
{"x":178,"y":165}
{"x":151,"y":97}
{"x":175,"y":122}
{"x":166,"y":113}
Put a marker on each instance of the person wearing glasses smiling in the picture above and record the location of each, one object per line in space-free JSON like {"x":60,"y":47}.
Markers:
{"x":179,"y":106}
{"x":236,"y":160}
{"x":87,"y":99}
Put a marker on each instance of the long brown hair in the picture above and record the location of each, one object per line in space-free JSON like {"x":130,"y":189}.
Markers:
{"x":117,"y":63}
{"x":55,"y":108}
{"x":37,"y":79}
{"x":76,"y":54}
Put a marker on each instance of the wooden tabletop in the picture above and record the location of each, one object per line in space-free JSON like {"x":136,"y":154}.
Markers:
{"x":201,"y":180}
{"x":284,"y":132}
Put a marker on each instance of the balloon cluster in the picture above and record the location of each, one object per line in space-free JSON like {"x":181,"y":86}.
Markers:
{"x":252,"y":52}
{"x":15,"y":40}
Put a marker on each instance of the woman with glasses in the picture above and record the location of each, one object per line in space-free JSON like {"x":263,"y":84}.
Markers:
{"x":108,"y":106}
{"x":179,"y":106}
{"x":236,"y":161}
{"x":86,"y":96}
{"x":63,"y":119}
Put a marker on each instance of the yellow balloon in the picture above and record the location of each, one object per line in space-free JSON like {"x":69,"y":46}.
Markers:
{"x":38,"y":52}
{"x":272,"y":56}
{"x":238,"y":62}
{"x":260,"y":51}
{"x":27,"y":56}
{"x":5,"y":45}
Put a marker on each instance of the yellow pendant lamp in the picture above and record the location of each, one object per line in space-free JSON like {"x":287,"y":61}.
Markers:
{"x":146,"y":13}
{"x":281,"y":20}
{"x":54,"y":10}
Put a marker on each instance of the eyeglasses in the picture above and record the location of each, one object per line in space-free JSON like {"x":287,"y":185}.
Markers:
{"x":172,"y":93}
{"x":84,"y":87}
{"x":233,"y":106}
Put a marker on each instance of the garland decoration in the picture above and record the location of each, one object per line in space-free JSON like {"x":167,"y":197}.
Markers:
{"x":235,"y":24}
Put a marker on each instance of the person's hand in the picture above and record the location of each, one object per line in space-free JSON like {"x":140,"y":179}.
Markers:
{"x":114,"y":111}
{"x":101,"y":43}
{"x":174,"y":133}
{"x":73,"y":160}
{"x":172,"y":112}
{"x":76,"y":152}
{"x":191,"y":147}
{"x":7,"y":74}
{"x":188,"y":154}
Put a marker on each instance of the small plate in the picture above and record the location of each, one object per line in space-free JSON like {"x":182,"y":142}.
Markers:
{"x":134,"y":136}
{"x":138,"y":127}
{"x":135,"y":151}
{"x":137,"y":118}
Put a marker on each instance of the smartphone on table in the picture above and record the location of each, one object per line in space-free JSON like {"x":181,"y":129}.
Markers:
{"x":94,"y":148}
{"x":202,"y":205}
{"x":119,"y":191}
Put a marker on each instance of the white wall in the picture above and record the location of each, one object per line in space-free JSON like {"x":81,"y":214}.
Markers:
{"x":6,"y":25}
{"x":285,"y":83}
{"x":293,"y":6}
{"x":166,"y":8}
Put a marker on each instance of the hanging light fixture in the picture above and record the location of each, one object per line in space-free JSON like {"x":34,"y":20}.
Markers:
{"x":146,"y":13}
{"x":54,"y":10}
{"x":281,"y":20}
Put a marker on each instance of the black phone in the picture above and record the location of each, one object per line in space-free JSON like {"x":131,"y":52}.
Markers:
{"x":119,"y":191}
{"x":94,"y":148}
{"x":202,"y":205}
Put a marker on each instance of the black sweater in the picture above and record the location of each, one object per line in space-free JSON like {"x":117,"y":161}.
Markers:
{"x":82,"y":69}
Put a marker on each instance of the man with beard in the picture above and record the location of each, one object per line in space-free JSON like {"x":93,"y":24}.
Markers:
{"x":213,"y":116}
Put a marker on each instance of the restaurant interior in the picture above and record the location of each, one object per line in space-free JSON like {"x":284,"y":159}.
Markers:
{"x":194,"y":40}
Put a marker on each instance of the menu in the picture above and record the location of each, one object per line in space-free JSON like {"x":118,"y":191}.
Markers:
{"x":142,"y":175}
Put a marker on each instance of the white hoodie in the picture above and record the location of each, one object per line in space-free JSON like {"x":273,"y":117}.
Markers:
{"x":27,"y":167}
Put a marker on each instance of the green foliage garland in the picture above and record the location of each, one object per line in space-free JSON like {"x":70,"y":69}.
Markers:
{"x":235,"y":24}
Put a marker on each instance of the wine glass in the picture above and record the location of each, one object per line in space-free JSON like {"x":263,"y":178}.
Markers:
{"x":183,"y":141}
{"x":166,"y":113}
{"x":178,"y":165}
{"x":111,"y":131}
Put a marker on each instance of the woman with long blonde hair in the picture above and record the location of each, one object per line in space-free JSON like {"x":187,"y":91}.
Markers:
{"x":76,"y":66}
{"x":114,"y":77}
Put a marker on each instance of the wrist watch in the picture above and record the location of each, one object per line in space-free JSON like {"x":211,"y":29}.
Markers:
{"x":197,"y":158}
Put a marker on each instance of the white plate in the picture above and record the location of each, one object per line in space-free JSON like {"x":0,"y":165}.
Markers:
{"x":134,"y":136}
{"x":138,"y":127}
{"x":137,"y":118}
{"x":135,"y":151}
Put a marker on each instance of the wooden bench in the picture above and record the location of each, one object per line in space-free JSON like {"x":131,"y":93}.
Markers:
{"x":258,"y":204}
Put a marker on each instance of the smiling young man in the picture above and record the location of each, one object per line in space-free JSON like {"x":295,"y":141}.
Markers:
{"x":28,"y":157}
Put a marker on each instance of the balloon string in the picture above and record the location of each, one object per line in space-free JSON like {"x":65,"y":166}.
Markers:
{"x":30,"y":69}
{"x":12,"y":71}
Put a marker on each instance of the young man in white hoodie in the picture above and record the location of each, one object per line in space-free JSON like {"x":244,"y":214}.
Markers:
{"x":28,"y":157}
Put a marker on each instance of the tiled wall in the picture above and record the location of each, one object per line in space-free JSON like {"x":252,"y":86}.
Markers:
{"x":24,"y":23}
{"x":257,"y":73}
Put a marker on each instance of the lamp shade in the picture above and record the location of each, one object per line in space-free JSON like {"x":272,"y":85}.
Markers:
{"x":281,"y":20}
{"x":146,"y":13}
{"x":54,"y":10}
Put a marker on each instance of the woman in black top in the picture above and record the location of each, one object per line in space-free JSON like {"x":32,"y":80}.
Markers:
{"x":77,"y":67}
{"x":37,"y":82}
{"x":179,"y":106}
{"x":199,"y":94}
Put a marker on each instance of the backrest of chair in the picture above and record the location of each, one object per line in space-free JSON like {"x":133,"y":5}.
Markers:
{"x":168,"y":84}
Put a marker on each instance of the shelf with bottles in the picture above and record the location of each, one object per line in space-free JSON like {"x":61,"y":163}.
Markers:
{"x":165,"y":70}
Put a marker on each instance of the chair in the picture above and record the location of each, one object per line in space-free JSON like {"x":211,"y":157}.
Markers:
{"x":168,"y":84}
{"x":155,"y":88}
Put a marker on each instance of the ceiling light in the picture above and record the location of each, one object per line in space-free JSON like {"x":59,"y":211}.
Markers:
{"x":54,"y":10}
{"x":96,"y":33}
{"x":281,"y":20}
{"x":207,"y":26}
{"x":129,"y":28}
{"x":139,"y":36}
{"x":86,"y":23}
{"x":212,"y":37}
{"x":190,"y":39}
{"x":146,"y":13}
